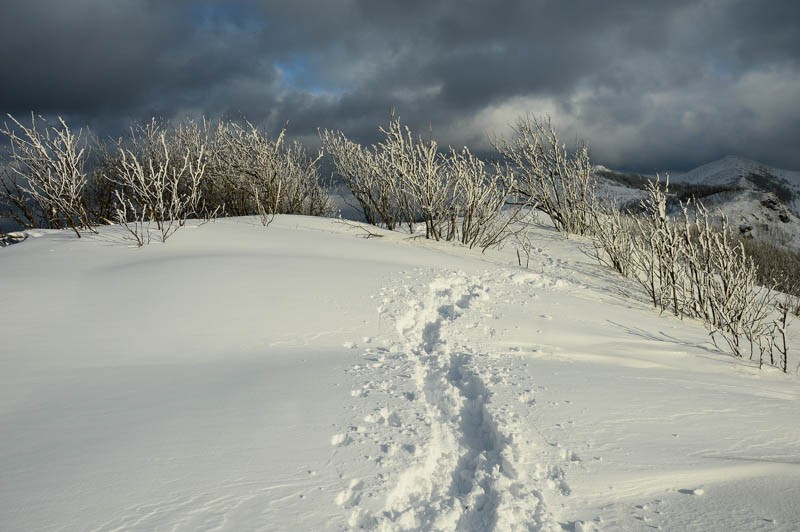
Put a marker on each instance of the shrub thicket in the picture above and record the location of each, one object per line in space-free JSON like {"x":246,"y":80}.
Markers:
{"x":404,"y":179}
{"x":694,"y":267}
{"x":156,"y":178}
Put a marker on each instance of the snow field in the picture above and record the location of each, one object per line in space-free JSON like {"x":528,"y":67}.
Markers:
{"x":526,"y":363}
{"x":302,"y":377}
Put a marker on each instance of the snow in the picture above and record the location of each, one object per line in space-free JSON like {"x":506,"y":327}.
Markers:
{"x":744,"y":196}
{"x":761,"y":212}
{"x":621,"y":195}
{"x":303,"y":377}
{"x":730,"y":169}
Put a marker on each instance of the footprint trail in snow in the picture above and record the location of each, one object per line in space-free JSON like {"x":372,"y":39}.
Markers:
{"x":454,"y":458}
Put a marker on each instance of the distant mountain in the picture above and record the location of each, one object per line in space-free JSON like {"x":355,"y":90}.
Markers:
{"x":732,"y":170}
{"x":759,"y":200}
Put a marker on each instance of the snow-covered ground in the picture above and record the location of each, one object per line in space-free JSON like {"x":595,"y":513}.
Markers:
{"x":303,"y":377}
{"x":757,"y":200}
{"x":730,"y":169}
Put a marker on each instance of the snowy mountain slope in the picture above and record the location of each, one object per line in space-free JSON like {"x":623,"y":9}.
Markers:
{"x":732,"y":169}
{"x":302,"y":377}
{"x":758,"y":200}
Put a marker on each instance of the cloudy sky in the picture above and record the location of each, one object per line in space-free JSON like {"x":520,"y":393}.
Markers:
{"x":649,"y":85}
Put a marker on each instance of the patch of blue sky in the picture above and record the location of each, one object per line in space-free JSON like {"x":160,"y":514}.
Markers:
{"x":299,"y":73}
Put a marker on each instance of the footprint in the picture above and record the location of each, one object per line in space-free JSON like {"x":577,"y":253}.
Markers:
{"x":527,"y":398}
{"x":554,"y":477}
{"x":360,"y":519}
{"x":340,"y":440}
{"x":351,"y":495}
{"x":568,"y":455}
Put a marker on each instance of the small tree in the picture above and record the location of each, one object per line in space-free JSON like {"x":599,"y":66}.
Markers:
{"x":157,"y":189}
{"x":479,"y":198}
{"x":249,"y":173}
{"x":49,"y":165}
{"x":414,"y":165}
{"x":662,"y":262}
{"x":380,"y":197}
{"x":780,"y":325}
{"x":613,"y":238}
{"x":558,"y":182}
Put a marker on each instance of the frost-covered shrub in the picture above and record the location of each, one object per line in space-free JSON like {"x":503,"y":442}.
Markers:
{"x":45,"y":179}
{"x":479,"y":200}
{"x":156,"y":183}
{"x":613,"y":237}
{"x":160,"y":174}
{"x":406,"y":178}
{"x":416,"y":167}
{"x":555,"y":180}
{"x":693,"y":267}
{"x":379,"y":198}
{"x":250,"y":173}
{"x":658,"y":261}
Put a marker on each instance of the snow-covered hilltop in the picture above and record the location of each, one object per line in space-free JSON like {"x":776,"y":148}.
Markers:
{"x":732,"y":170}
{"x":301,"y":376}
{"x":758,"y":200}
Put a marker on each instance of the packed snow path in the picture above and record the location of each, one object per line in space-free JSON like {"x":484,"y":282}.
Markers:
{"x":301,"y":377}
{"x":477,"y":467}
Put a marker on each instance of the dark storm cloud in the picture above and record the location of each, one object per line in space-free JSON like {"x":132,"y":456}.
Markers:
{"x":650,"y":85}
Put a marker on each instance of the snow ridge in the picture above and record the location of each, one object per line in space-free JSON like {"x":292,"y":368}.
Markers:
{"x":469,"y":477}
